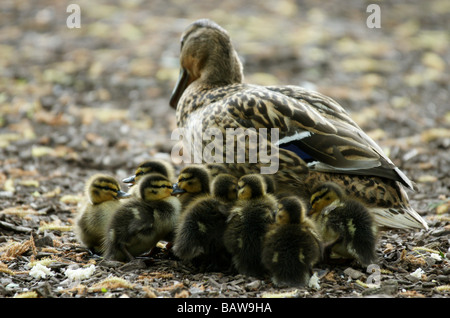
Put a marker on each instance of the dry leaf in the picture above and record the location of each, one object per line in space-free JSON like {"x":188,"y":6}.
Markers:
{"x":9,"y":185}
{"x":28,"y":294}
{"x":412,"y":294}
{"x":427,"y":178}
{"x":111,"y":283}
{"x":54,"y":226}
{"x":71,"y":198}
{"x":14,"y":249}
{"x":21,"y":210}
{"x":29,"y":183}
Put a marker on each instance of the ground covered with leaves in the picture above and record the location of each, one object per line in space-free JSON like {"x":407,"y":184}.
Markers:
{"x":74,"y":102}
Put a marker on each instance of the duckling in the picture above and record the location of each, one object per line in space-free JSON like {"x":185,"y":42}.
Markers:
{"x":142,"y":221}
{"x":248,"y":223}
{"x":224,"y":187}
{"x":193,"y":181}
{"x":150,"y":166}
{"x":346,"y":226}
{"x":316,"y":139}
{"x":102,"y":194}
{"x":216,"y":169}
{"x":292,"y":245}
{"x":199,"y":234}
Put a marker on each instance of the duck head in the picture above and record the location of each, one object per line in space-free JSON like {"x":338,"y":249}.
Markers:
{"x":208,"y":57}
{"x":155,"y":186}
{"x":101,"y":188}
{"x":192,"y":179}
{"x":224,"y":187}
{"x":291,"y":210}
{"x":251,"y":186}
{"x":323,"y":195}
{"x":147,"y":167}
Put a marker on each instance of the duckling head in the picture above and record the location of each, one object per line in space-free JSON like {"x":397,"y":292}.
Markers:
{"x":101,"y":188}
{"x":215,"y":169}
{"x":224,"y":187}
{"x":154,"y":186}
{"x":291,"y":210}
{"x":150,"y":166}
{"x":251,"y":186}
{"x":206,"y":55}
{"x":324,"y":195}
{"x":192,"y":179}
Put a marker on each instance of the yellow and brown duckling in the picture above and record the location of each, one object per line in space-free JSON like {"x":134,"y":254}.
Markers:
{"x":292,"y":246}
{"x":193,"y":181}
{"x":150,"y":166}
{"x":346,"y":226}
{"x":102,"y":194}
{"x":248,"y":224}
{"x":143,"y":220}
{"x":199,"y":234}
{"x":317,"y":140}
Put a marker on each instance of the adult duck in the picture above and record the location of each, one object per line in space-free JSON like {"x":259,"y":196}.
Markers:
{"x":317,"y":140}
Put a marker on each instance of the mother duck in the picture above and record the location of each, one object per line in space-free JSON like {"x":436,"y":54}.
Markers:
{"x":317,"y":141}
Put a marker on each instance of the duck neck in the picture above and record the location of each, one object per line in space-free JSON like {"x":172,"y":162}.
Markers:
{"x":220,"y":71}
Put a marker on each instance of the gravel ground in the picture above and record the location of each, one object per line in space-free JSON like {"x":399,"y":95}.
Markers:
{"x":78,"y":101}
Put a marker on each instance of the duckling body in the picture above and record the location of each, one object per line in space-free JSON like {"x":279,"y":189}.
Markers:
{"x":248,"y":224}
{"x":317,"y":140}
{"x":346,"y":226}
{"x":150,"y":166}
{"x":141,"y":222}
{"x":292,"y":245}
{"x":102,"y":194}
{"x":199,"y":235}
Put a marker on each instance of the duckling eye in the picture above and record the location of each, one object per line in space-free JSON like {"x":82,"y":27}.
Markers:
{"x":161,"y":186}
{"x":106,"y":188}
{"x":184,"y":179}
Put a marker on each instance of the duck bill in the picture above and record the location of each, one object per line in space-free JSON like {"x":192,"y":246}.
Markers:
{"x":130,"y":180}
{"x":180,"y":86}
{"x":122,"y":194}
{"x":177,"y":190}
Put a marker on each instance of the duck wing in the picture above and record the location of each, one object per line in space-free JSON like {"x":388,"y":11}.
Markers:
{"x":313,"y":126}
